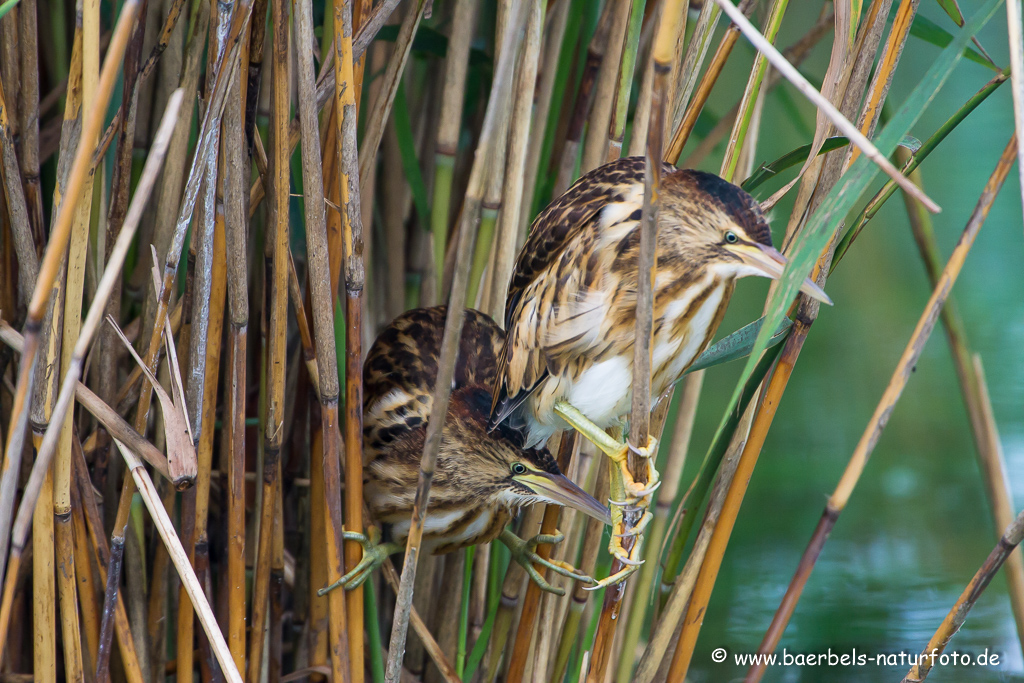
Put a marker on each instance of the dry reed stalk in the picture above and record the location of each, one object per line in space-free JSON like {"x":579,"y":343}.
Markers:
{"x":305,"y":336}
{"x":824,"y":106}
{"x":901,"y":375}
{"x":446,"y":146}
{"x":276,"y":354}
{"x":328,"y":389}
{"x":684,"y":77}
{"x":554,"y":38}
{"x":512,"y":189}
{"x":627,"y":65}
{"x":707,"y":83}
{"x":567,"y":446}
{"x":1014,"y":18}
{"x":60,"y":234}
{"x":667,"y":34}
{"x":14,"y":192}
{"x":235,"y":172}
{"x":975,"y":394}
{"x":349,"y":174}
{"x":88,"y":588}
{"x":567,"y":151}
{"x":957,"y":615}
{"x":894,"y":45}
{"x":595,"y":145}
{"x":499,"y":101}
{"x":28,"y":117}
{"x":673,"y":470}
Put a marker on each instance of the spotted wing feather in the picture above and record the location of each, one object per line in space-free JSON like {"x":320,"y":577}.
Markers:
{"x":401,"y":368}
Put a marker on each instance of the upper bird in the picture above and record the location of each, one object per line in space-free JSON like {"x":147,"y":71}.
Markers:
{"x":570,"y":311}
{"x":570,"y":315}
{"x":481,"y":478}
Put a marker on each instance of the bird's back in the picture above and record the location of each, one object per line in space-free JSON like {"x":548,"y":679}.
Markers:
{"x":401,"y":368}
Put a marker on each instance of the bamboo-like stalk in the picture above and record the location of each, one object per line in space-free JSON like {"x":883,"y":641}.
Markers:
{"x":594,"y":147}
{"x":837,"y":501}
{"x":664,"y":47}
{"x":957,"y":615}
{"x":513,"y":187}
{"x":277,"y":316}
{"x":684,"y":77}
{"x":499,"y":100}
{"x":446,"y":146}
{"x":568,"y":444}
{"x":28,"y":117}
{"x":305,"y":336}
{"x":88,"y":588}
{"x":627,"y":65}
{"x":707,"y":82}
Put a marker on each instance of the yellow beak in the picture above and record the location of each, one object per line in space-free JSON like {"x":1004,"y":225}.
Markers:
{"x":560,"y":490}
{"x":770,"y":262}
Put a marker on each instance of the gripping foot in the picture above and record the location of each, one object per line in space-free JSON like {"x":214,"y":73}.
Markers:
{"x":374,"y":554}
{"x":525,"y":553}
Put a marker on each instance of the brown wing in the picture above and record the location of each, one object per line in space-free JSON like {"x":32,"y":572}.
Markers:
{"x":401,"y":368}
{"x":560,"y":237}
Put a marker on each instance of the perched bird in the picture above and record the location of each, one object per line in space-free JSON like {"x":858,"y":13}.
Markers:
{"x":481,"y":478}
{"x":571,"y":306}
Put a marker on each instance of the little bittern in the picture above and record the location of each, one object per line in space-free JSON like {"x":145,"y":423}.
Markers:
{"x":481,"y":478}
{"x":571,"y":307}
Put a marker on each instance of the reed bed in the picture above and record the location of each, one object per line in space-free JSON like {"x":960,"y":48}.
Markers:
{"x":324,"y":167}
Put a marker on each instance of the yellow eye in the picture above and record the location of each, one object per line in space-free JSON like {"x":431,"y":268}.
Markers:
{"x":731,"y":237}
{"x":518,"y":468}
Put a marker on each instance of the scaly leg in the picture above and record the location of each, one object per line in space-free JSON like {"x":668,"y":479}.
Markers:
{"x":374,"y":554}
{"x":525,"y":553}
{"x":625,"y":489}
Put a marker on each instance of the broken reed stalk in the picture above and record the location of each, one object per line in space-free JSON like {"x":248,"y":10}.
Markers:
{"x":59,"y":235}
{"x":834,"y":115}
{"x":957,"y":615}
{"x":499,"y":100}
{"x":664,"y":48}
{"x":193,"y":588}
{"x":901,"y":375}
{"x":317,"y":248}
{"x":350,"y":173}
{"x":14,"y":194}
{"x":277,"y":351}
{"x":627,"y":65}
{"x":568,"y":445}
{"x":975,"y":394}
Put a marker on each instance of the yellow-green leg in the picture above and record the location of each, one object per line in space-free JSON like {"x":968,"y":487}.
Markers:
{"x":374,"y":554}
{"x":624,"y":489}
{"x":525,"y":553}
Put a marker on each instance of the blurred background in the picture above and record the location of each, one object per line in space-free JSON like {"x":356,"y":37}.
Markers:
{"x":918,"y":525}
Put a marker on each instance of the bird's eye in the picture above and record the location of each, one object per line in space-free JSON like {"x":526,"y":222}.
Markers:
{"x":518,"y":468}
{"x":731,"y":237}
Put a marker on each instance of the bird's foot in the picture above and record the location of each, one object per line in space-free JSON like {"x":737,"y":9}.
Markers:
{"x":525,"y":553}
{"x":637,"y":493}
{"x":630,"y":559}
{"x":374,"y":554}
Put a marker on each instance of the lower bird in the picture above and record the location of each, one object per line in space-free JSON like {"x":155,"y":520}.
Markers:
{"x":571,"y":307}
{"x":481,"y":478}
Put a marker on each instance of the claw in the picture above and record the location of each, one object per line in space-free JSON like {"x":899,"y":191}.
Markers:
{"x":374,"y":554}
{"x":525,"y":553}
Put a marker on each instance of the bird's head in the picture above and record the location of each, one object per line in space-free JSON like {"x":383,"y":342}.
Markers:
{"x":496,"y":466}
{"x":724,"y":227}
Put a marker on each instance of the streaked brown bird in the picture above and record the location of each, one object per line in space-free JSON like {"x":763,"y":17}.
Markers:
{"x":570,"y":312}
{"x":481,"y":478}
